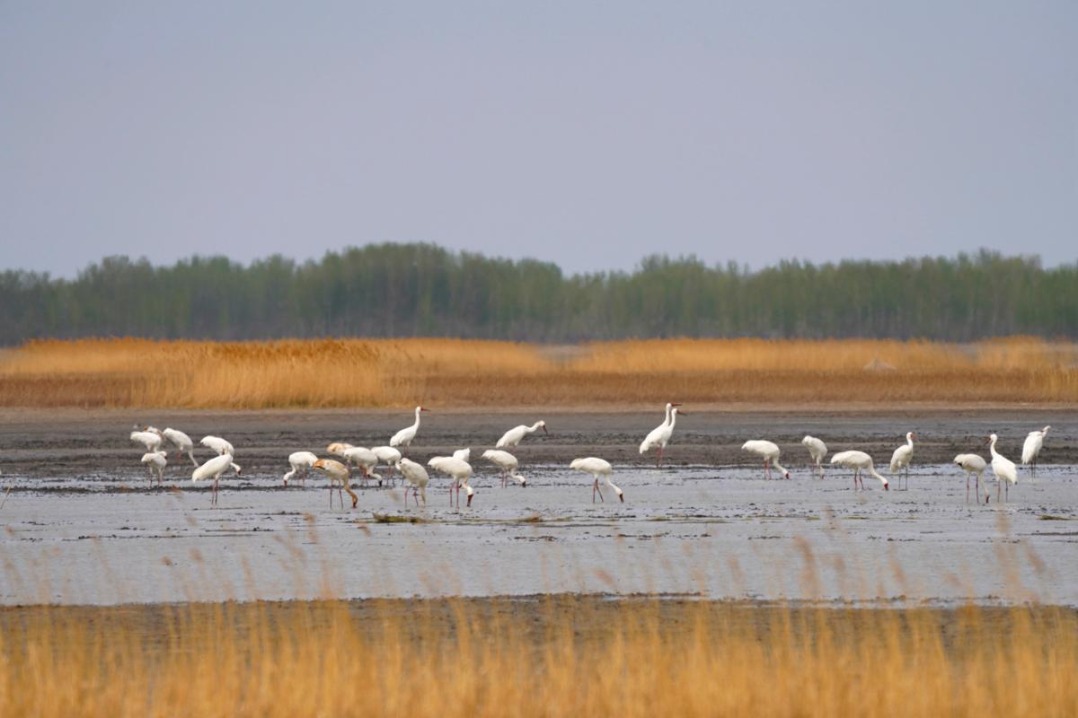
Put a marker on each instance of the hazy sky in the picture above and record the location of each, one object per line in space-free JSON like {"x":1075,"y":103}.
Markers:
{"x":589,"y":134}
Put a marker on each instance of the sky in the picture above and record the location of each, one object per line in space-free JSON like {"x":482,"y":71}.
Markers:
{"x":588,"y":134}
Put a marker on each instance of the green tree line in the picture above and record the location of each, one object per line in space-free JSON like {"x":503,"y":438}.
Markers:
{"x":404,"y":290}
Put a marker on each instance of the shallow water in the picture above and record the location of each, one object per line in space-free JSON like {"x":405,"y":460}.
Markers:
{"x":716,"y":532}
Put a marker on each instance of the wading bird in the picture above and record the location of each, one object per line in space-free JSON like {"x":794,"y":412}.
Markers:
{"x":900,"y":460}
{"x":770,"y":453}
{"x":388,"y":456}
{"x":213,"y":469}
{"x":974,"y":466}
{"x":404,"y":436}
{"x":1003,"y":468}
{"x":216,"y":443}
{"x":858,"y":461}
{"x":817,"y":450}
{"x":459,"y":471}
{"x":416,"y":476}
{"x":150,"y":440}
{"x":366,"y":460}
{"x":597,"y":468}
{"x":1031,"y":447}
{"x":156,"y":462}
{"x":507,"y":465}
{"x":517,"y":433}
{"x":337,"y":448}
{"x":338,"y":475}
{"x":659,"y":437}
{"x":182,"y":442}
{"x":301,"y":463}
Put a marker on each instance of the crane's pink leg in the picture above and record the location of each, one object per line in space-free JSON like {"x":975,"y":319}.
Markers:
{"x":659,"y":461}
{"x":596,"y":490}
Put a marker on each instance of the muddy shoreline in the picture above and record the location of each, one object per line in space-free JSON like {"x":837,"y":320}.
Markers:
{"x":538,"y":620}
{"x":73,"y":442}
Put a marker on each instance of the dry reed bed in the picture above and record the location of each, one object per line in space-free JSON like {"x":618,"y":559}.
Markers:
{"x":448,"y":373}
{"x":551,"y":656}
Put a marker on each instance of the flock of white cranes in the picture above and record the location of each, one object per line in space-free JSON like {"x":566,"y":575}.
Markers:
{"x":349,"y":458}
{"x":1004,"y":470}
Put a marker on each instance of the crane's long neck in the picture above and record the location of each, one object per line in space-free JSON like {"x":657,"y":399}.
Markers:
{"x":872,"y":470}
{"x":415,"y":426}
{"x":534,"y":427}
{"x":909,"y":440}
{"x":992,"y":447}
{"x":612,"y":485}
{"x":671,"y":419}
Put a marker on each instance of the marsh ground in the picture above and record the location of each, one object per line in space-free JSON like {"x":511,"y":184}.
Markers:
{"x":83,"y":525}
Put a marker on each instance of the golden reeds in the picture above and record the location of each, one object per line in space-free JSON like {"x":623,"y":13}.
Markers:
{"x":548,"y":656}
{"x":446,"y":372}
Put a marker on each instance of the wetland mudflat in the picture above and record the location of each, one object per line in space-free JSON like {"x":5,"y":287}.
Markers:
{"x":82,"y":524}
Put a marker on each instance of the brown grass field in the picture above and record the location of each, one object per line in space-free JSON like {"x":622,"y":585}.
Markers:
{"x":545,"y":656}
{"x":459,"y":373}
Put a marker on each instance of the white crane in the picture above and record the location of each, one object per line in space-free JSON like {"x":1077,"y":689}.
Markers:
{"x":365,"y":459}
{"x":900,"y":460}
{"x":216,"y":443}
{"x":507,"y":465}
{"x":597,"y":468}
{"x":182,"y":442}
{"x":301,"y":462}
{"x":213,"y":469}
{"x":150,"y":440}
{"x":388,"y":456}
{"x":338,"y":475}
{"x":517,"y":433}
{"x":858,"y":461}
{"x":1003,"y":468}
{"x":817,"y":450}
{"x":404,"y":436}
{"x":769,"y":451}
{"x":974,"y":466}
{"x":337,"y":448}
{"x":457,"y":469}
{"x":156,"y":462}
{"x":659,"y":437}
{"x":1031,"y":447}
{"x":415,"y":475}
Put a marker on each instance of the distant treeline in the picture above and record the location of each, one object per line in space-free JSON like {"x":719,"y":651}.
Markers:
{"x":395,"y":290}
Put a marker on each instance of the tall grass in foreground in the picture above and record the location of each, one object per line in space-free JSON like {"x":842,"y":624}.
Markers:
{"x":551,"y":656}
{"x":446,"y":372}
